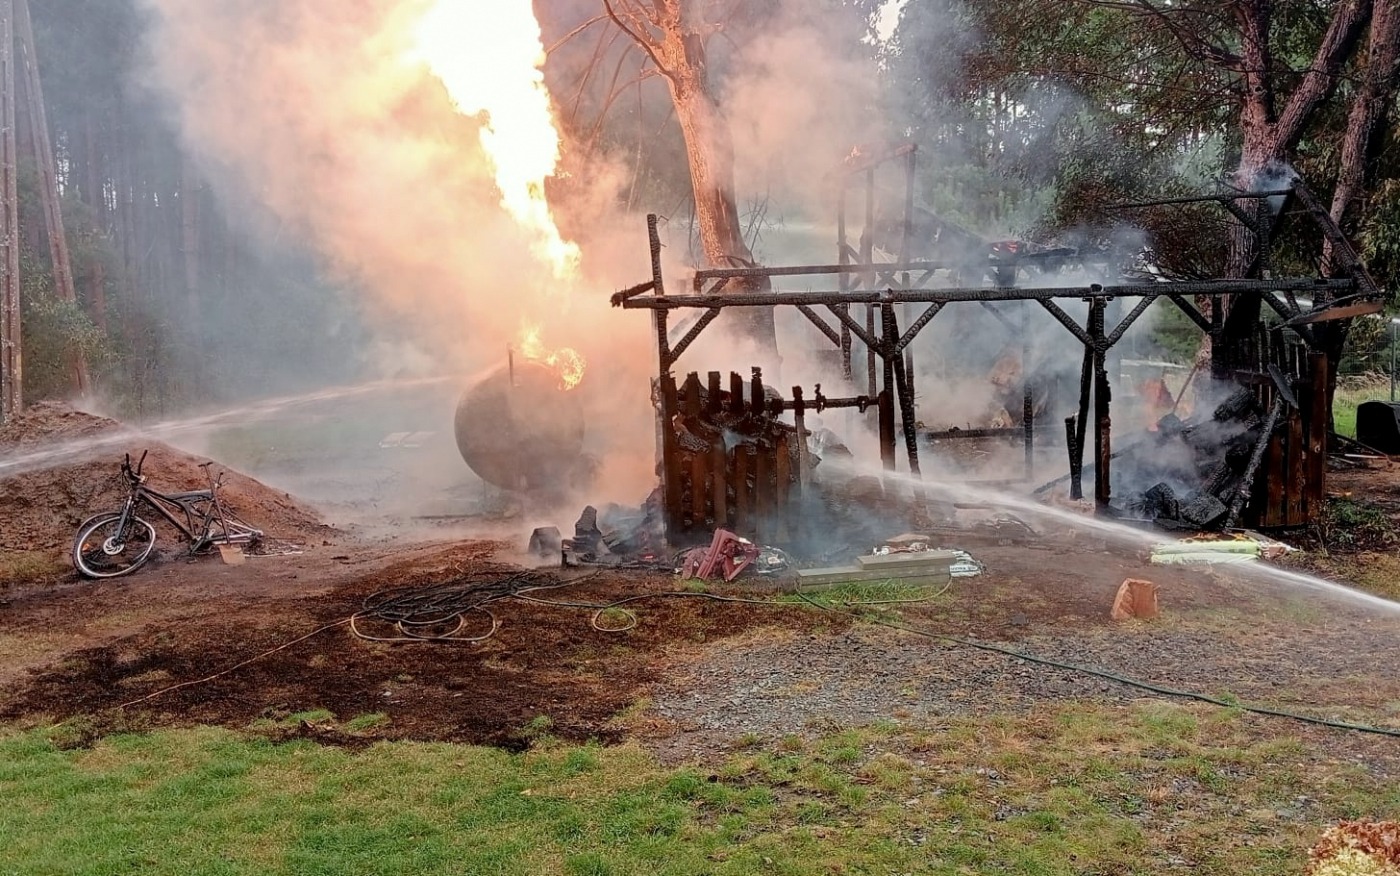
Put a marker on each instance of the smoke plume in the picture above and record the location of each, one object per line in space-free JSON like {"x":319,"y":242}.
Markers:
{"x":318,"y":111}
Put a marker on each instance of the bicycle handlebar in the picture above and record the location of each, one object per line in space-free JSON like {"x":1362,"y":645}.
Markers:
{"x":134,"y":474}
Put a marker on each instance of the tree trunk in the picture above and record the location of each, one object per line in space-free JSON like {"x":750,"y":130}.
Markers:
{"x":1367,"y":123}
{"x":11,"y":359}
{"x":91,"y":182}
{"x":97,"y":295}
{"x":668,"y":30}
{"x":189,"y":234}
{"x":710,"y":154}
{"x":1269,"y":136}
{"x":94,"y":193}
{"x":27,"y":62}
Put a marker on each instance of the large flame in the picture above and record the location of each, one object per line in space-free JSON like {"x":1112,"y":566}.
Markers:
{"x":568,"y":364}
{"x":488,"y":54}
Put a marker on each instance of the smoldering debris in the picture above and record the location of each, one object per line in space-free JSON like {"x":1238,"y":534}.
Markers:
{"x":1200,"y":473}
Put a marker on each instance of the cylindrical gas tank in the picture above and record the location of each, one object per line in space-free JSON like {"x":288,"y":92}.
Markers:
{"x":519,"y":429}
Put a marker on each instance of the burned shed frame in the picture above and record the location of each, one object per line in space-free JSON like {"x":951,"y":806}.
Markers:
{"x":727,"y":492}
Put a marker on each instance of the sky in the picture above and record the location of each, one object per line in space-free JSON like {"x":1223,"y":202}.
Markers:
{"x":889,"y":17}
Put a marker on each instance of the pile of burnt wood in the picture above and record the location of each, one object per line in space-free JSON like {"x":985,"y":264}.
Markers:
{"x":1202,"y":473}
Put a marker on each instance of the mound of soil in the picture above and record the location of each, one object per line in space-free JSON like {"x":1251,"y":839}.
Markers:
{"x":40,"y":509}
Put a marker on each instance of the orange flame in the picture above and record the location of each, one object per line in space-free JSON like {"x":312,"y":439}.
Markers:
{"x":488,"y":54}
{"x":567,"y":363}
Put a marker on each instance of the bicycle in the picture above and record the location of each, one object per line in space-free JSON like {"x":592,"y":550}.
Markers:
{"x":120,"y":542}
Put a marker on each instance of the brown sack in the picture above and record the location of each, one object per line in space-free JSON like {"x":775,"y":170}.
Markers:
{"x":1136,"y":599}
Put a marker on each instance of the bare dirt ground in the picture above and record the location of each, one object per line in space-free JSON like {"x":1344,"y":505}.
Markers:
{"x":694,"y":675}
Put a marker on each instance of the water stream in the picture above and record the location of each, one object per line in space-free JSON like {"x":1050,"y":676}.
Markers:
{"x":1112,"y":530}
{"x":81,"y":448}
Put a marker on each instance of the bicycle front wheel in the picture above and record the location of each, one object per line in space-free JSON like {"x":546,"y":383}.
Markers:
{"x":105,"y":549}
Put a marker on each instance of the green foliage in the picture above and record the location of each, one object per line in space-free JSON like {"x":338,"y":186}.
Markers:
{"x":163,"y":324}
{"x":55,"y":332}
{"x":1380,"y":233}
{"x":1348,"y":523}
{"x":1350,"y":395}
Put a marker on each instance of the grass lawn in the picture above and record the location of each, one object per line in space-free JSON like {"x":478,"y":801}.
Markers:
{"x":1078,"y":789}
{"x":1349,"y":398}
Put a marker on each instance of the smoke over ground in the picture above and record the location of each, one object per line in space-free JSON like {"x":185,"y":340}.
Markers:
{"x":798,"y":98}
{"x":316,"y":111}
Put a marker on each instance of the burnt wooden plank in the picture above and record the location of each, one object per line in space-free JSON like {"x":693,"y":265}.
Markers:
{"x":885,"y":400}
{"x":692,"y":468}
{"x":782,"y":486}
{"x":736,"y":394}
{"x":670,"y":457}
{"x":1297,"y":476}
{"x":699,"y":489}
{"x":763,"y":490}
{"x":1329,"y":314}
{"x":1316,"y":436}
{"x":690,"y":395}
{"x":1273,"y":485}
{"x":719,"y":483}
{"x":713,"y":402}
{"x":743,"y":493}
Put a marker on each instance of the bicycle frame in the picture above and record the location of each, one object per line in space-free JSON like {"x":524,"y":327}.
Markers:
{"x":200,"y":509}
{"x":188,"y":506}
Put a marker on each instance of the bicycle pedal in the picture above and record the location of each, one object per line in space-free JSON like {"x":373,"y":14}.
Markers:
{"x":232,"y":554}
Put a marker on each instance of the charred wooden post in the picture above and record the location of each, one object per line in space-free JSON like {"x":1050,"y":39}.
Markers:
{"x":670,"y":456}
{"x":894,"y":363}
{"x":1076,"y":461}
{"x":846,"y":370}
{"x":1027,"y":389}
{"x":843,"y":259}
{"x":763,"y":490}
{"x":885,"y":403}
{"x":909,"y":379}
{"x":1103,"y":424}
{"x":1317,"y":433}
{"x":799,"y":419}
{"x":872,"y":387}
{"x":1081,"y":428}
{"x":699,"y":462}
{"x":782,"y":518}
{"x":743,"y":488}
{"x":1255,"y":458}
{"x":663,"y":340}
{"x":714,"y":402}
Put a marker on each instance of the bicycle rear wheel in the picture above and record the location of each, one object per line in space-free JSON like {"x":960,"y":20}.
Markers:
{"x":102,"y":551}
